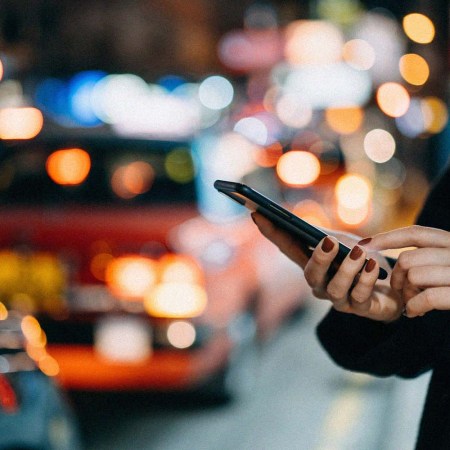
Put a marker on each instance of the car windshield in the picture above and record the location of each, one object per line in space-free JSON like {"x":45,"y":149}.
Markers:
{"x":95,"y":171}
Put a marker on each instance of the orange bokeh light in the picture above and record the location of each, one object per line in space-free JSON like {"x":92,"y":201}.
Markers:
{"x":419,"y":28}
{"x":68,"y":166}
{"x":344,"y":120}
{"x":130,"y":277}
{"x":268,"y":156}
{"x":414,"y":69}
{"x":298,"y":168}
{"x":132,"y":179}
{"x":393,"y":99}
{"x":20,"y":123}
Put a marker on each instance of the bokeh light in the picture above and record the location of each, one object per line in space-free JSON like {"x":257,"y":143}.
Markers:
{"x":268,"y":156}
{"x":179,"y":165}
{"x":181,"y":334}
{"x":253,"y":129}
{"x":293,"y":111}
{"x":344,"y":120}
{"x":419,"y":28}
{"x":298,"y":168}
{"x":132,"y":179}
{"x":435,"y":114}
{"x":216,"y":92}
{"x":353,"y":191}
{"x":20,"y":123}
{"x":414,"y":69}
{"x":130,"y":277}
{"x":393,"y":99}
{"x":69,"y":166}
{"x":312,"y":212}
{"x":359,"y":54}
{"x":379,"y":145}
{"x":313,"y":42}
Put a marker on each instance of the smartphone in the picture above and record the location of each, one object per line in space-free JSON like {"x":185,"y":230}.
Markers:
{"x":306,"y":233}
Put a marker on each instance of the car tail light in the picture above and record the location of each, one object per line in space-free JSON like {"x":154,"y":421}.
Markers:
{"x":130,"y":277}
{"x":8,"y":397}
{"x":180,"y":269}
{"x":176,"y":300}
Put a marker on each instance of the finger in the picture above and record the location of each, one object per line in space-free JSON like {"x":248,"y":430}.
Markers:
{"x":423,"y":258}
{"x":413,"y":236}
{"x":429,"y":276}
{"x":316,"y":270}
{"x":283,"y":240}
{"x":409,"y":291}
{"x":339,"y":286}
{"x":427,"y":300}
{"x":363,"y":289}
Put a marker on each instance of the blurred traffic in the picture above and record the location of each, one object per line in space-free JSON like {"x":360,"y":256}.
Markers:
{"x":132,"y":272}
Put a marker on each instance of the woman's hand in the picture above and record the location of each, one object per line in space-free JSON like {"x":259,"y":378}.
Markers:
{"x":352,"y":287}
{"x":421,"y":275}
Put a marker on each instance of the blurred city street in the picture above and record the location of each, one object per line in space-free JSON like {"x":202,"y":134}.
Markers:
{"x":300,"y":401}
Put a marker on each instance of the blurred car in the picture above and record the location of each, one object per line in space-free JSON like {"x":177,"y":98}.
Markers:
{"x":101,"y":237}
{"x":34,"y":413}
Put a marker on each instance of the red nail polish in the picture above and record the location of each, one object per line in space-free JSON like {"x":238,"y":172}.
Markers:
{"x":364,"y":241}
{"x":327,"y":245}
{"x":370,"y":265}
{"x":355,"y":253}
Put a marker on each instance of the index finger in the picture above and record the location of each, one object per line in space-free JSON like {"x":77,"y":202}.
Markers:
{"x":412,"y":236}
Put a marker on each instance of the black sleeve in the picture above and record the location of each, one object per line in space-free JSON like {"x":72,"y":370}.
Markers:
{"x":407,"y":347}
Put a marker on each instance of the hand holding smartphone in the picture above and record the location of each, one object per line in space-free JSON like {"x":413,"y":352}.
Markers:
{"x":306,"y":233}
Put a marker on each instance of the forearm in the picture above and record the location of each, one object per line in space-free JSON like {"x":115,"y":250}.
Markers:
{"x":402,"y":348}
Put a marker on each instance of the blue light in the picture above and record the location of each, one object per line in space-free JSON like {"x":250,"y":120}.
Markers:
{"x":80,"y":89}
{"x":171,"y":82}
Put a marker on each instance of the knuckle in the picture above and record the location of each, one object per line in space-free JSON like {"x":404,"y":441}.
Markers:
{"x":430,"y":298}
{"x":403,"y":261}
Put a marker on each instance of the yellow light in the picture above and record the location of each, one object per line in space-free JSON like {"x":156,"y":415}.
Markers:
{"x":414,"y":69}
{"x":130,"y":277}
{"x":393,"y":99}
{"x":3,"y":312}
{"x":344,"y":120}
{"x":298,"y":168}
{"x":176,"y":300}
{"x":353,"y":216}
{"x":49,"y":366}
{"x":20,"y":123}
{"x":419,"y":28}
{"x":359,"y":54}
{"x":68,"y":166}
{"x":379,"y":145}
{"x":435,"y":114}
{"x":180,"y":269}
{"x":32,"y":330}
{"x":179,"y":166}
{"x":353,"y":191}
{"x":181,"y":334}
{"x":312,"y":212}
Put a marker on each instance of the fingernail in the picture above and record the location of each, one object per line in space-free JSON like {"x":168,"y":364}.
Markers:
{"x":370,"y":265}
{"x":355,"y":253}
{"x":364,"y":241}
{"x":327,"y":245}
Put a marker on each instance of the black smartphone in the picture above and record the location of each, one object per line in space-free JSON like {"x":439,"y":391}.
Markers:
{"x":307,"y":234}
